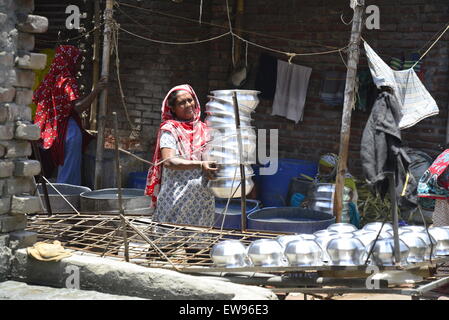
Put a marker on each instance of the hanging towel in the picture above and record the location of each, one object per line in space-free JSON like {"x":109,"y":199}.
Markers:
{"x":291,"y":90}
{"x":417,"y":103}
{"x":266,"y":76}
{"x":333,"y":88}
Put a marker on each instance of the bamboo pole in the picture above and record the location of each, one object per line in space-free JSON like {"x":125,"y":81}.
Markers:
{"x":118,"y":170}
{"x":349,"y":100}
{"x":96,"y":65}
{"x":103,"y":95}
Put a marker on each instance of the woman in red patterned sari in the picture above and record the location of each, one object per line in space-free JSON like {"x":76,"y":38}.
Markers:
{"x":58,"y":107}
{"x":178,"y":187}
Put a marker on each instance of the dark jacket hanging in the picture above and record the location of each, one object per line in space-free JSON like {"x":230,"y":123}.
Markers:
{"x":382,"y":152}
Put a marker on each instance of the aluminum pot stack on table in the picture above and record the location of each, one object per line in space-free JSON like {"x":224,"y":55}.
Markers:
{"x":224,"y":145}
{"x":321,"y":198}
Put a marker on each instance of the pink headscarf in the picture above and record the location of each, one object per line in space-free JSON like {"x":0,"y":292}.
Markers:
{"x":191,"y":138}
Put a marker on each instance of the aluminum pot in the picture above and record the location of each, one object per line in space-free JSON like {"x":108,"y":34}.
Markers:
{"x":413,"y":228}
{"x":441,"y":235}
{"x":301,"y":253}
{"x":376,"y":226}
{"x":416,"y":245}
{"x":230,"y":254}
{"x":70,"y":192}
{"x":284,"y":240}
{"x":230,"y":171}
{"x":342,"y":227}
{"x":430,"y":242}
{"x":383,"y":252}
{"x":345,"y":251}
{"x":226,"y":187}
{"x":245,"y":98}
{"x":324,"y":238}
{"x":217,"y":120}
{"x":266,"y":253}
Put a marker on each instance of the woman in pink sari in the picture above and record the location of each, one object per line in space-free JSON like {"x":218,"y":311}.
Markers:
{"x":178,"y":187}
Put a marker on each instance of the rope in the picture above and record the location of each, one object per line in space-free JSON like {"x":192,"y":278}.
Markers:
{"x":433,"y":44}
{"x":222,"y":27}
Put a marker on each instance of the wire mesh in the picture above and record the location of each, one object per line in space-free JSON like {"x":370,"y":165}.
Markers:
{"x":150,"y":243}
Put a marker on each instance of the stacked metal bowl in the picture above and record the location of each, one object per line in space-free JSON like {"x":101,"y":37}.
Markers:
{"x":224,"y":145}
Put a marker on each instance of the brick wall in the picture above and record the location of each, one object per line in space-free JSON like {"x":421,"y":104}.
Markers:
{"x":17,"y":185}
{"x":149,"y":69}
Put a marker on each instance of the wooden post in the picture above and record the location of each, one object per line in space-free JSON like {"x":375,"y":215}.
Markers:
{"x":96,"y":65}
{"x":349,"y":100}
{"x":118,"y":170}
{"x":103,"y":95}
{"x":242,"y":167}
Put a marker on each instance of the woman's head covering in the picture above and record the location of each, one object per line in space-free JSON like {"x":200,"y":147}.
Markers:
{"x":191,"y":137}
{"x":55,"y":94}
{"x":330,"y":160}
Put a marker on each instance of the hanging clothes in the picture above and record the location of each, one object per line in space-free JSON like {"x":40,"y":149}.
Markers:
{"x":404,"y":64}
{"x":382,"y":153}
{"x":417,"y":103}
{"x":333,"y":88}
{"x":366,"y":92}
{"x":266,"y":76}
{"x":291,"y":90}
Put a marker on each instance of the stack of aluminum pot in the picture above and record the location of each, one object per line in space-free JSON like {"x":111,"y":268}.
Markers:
{"x":224,"y":145}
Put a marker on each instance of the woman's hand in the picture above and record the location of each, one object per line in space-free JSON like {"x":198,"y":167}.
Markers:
{"x":102,"y":84}
{"x":210,"y":168}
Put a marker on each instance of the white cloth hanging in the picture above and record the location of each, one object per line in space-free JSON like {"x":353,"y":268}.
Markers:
{"x":417,"y":103}
{"x":291,"y":90}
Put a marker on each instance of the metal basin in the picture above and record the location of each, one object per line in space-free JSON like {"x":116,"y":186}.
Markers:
{"x":106,"y":201}
{"x":383,"y":252}
{"x":289,"y":219}
{"x":303,"y":253}
{"x":57,"y":202}
{"x":366,"y":238}
{"x":416,"y":245}
{"x":227,"y":187}
{"x":266,"y":253}
{"x":376,"y":226}
{"x":342,"y":227}
{"x":345,"y":251}
{"x":230,"y":254}
{"x":441,"y":236}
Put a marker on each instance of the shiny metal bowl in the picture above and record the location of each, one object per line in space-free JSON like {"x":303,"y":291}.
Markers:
{"x":413,"y":228}
{"x":245,"y":98}
{"x":416,"y":245}
{"x":324,"y":233}
{"x":230,"y":254}
{"x":303,"y":253}
{"x":342,"y":227}
{"x":430,"y":242}
{"x":266,"y":253}
{"x":229,"y":171}
{"x":306,"y":236}
{"x":225,"y":188}
{"x":324,"y":238}
{"x":383,"y":252}
{"x":376,"y":226}
{"x":345,"y":251}
{"x":441,"y":236}
{"x":225,"y":105}
{"x":365,"y":237}
{"x":284,"y":240}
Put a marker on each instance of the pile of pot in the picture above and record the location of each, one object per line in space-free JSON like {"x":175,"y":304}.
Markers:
{"x":341,"y":244}
{"x":224,"y":148}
